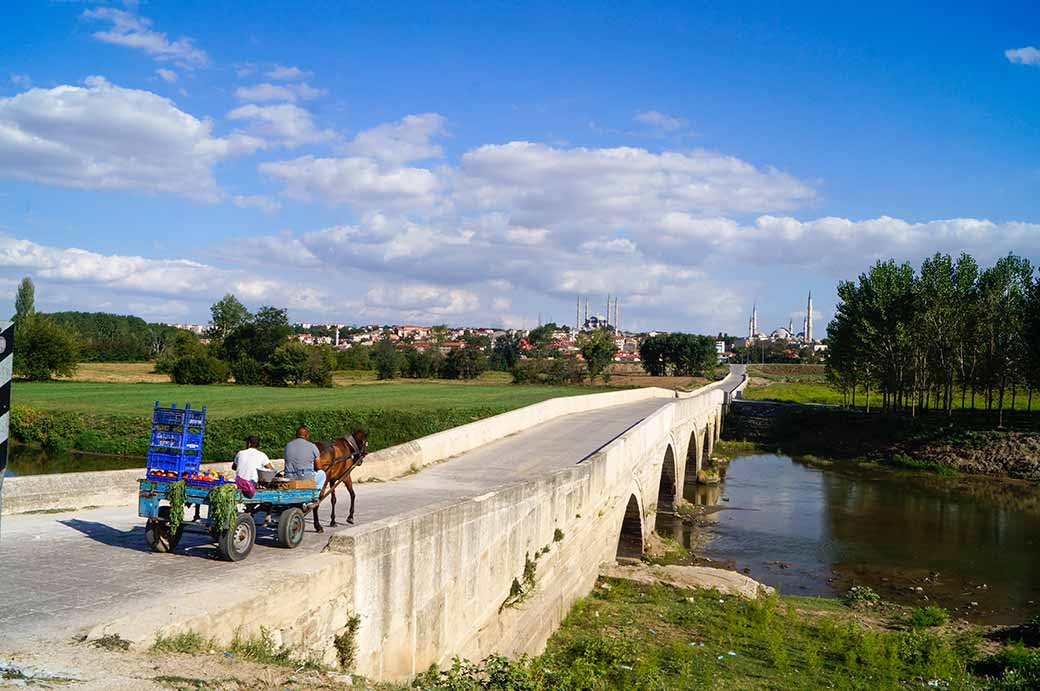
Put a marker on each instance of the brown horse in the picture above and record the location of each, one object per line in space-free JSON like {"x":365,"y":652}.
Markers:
{"x":337,"y":458}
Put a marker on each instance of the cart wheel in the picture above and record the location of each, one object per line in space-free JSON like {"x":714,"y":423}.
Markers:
{"x":157,"y":532}
{"x":236,"y":543}
{"x":290,"y":527}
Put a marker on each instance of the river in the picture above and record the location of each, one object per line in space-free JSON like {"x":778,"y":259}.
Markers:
{"x":969,"y":544}
{"x":32,"y":460}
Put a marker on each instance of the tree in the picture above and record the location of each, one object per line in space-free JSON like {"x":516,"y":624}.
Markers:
{"x":44,"y":350}
{"x":541,"y":341}
{"x":387,"y":359}
{"x":652,"y":354}
{"x":286,"y":365}
{"x":422,"y":364}
{"x":598,"y":349}
{"x":226,"y":315}
{"x":464,"y":363}
{"x":25,"y":301}
{"x":199,"y":369}
{"x":260,"y":337}
{"x":356,"y":357}
{"x":505,"y":353}
{"x":182,"y":344}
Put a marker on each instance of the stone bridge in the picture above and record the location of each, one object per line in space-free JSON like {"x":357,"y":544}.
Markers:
{"x":483,"y":551}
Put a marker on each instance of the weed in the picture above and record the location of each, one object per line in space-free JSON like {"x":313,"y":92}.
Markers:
{"x":862,"y":596}
{"x":522,"y":587}
{"x":901,"y":460}
{"x":187,"y":642}
{"x":346,"y":643}
{"x":558,"y":535}
{"x":179,"y":683}
{"x":925,"y":617}
{"x":112,"y":641}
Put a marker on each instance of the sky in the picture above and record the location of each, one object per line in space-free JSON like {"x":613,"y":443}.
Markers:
{"x":488,"y":163}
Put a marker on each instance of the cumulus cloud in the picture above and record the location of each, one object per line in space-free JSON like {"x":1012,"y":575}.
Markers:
{"x":102,"y":136}
{"x":134,"y":31}
{"x":410,"y":139}
{"x":262,"y":93}
{"x":168,"y":76}
{"x":363,"y":183}
{"x":416,"y":300}
{"x":541,"y":185}
{"x":1028,"y":55}
{"x":284,"y":73}
{"x":22,"y":80}
{"x":285,"y":122}
{"x":661,"y":121}
{"x":257,"y":201}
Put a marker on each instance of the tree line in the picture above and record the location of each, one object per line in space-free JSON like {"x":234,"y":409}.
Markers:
{"x":951,"y":334}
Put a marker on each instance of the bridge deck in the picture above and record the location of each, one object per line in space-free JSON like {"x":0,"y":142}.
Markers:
{"x":64,"y":573}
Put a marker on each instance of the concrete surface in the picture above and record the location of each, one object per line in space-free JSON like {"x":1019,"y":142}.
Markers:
{"x":691,"y":577}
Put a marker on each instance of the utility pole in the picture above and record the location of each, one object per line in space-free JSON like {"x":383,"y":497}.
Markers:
{"x":6,"y":369}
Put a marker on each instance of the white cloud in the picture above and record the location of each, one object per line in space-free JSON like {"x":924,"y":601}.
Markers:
{"x":660,"y":120}
{"x":286,"y":122}
{"x":422,"y":300}
{"x":403,"y":141}
{"x":257,"y":201}
{"x":245,"y":69}
{"x":262,"y":93}
{"x":289,"y":74}
{"x":362,"y":183}
{"x":168,"y":76}
{"x":1028,"y":55}
{"x":540,"y":185}
{"x":22,"y":80}
{"x":102,"y":136}
{"x":133,"y":31}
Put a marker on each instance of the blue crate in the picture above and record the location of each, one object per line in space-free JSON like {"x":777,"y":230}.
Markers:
{"x":176,"y":439}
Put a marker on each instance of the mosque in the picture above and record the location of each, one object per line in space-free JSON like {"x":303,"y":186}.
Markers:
{"x":781,"y":333}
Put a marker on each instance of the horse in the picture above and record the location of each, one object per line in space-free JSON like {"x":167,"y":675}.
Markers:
{"x":337,"y":458}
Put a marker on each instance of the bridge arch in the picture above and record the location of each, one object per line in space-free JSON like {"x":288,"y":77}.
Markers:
{"x":630,"y":539}
{"x":693,"y":458}
{"x":666,"y":488}
{"x":709,"y":438}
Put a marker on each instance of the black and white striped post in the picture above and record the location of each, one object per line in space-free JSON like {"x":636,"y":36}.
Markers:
{"x":6,"y":366}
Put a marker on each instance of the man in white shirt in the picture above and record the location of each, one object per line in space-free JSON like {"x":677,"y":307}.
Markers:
{"x":247,"y":462}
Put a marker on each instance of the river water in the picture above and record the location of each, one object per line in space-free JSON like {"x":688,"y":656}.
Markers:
{"x":31,"y":460}
{"x":970,"y":544}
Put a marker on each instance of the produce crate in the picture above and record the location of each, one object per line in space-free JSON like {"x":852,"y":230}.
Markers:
{"x":176,"y":441}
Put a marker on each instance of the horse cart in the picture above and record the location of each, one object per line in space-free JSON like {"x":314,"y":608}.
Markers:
{"x":174,"y":480}
{"x":283,"y":513}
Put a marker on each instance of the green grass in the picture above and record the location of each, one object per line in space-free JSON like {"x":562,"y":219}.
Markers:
{"x":647,"y":638}
{"x":795,"y":392}
{"x":231,"y":401}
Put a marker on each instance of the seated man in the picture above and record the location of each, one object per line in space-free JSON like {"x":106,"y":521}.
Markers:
{"x":247,"y":462}
{"x":300,"y":458}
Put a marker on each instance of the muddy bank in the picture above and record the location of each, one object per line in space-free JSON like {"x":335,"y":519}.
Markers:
{"x":966,"y":442}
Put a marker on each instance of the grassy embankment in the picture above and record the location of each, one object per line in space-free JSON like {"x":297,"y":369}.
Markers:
{"x":635,"y":637}
{"x":967,"y":441}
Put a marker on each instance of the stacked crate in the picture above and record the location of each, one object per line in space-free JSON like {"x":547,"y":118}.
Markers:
{"x":175,"y":450}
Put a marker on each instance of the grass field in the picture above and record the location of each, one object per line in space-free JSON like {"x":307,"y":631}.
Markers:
{"x":229,"y":400}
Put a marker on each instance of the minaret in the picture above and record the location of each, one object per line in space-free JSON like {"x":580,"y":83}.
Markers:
{"x":808,"y":320}
{"x":790,"y":326}
{"x":754,"y":320}
{"x":617,"y":317}
{"x":586,"y":309}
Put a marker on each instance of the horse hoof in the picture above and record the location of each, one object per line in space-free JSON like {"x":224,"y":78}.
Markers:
{"x":350,"y":521}
{"x":333,"y":524}
{"x":319,"y":529}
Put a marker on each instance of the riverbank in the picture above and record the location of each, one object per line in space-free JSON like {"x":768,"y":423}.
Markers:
{"x":634,"y":636}
{"x":965,"y":442}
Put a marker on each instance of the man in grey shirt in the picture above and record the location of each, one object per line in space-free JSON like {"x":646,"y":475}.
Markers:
{"x":300,"y":454}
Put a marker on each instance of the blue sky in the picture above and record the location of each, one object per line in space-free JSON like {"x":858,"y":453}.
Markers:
{"x":479,"y":163}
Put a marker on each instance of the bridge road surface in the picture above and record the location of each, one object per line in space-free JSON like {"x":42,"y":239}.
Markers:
{"x":65,"y":573}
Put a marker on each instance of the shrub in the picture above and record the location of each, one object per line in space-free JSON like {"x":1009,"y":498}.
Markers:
{"x":862,"y":595}
{"x":44,"y":349}
{"x":464,"y":363}
{"x":422,"y":365}
{"x":317,"y":369}
{"x":199,"y":369}
{"x":247,"y":372}
{"x":924,"y":617}
{"x":387,"y":359}
{"x":558,"y":371}
{"x":286,"y":365}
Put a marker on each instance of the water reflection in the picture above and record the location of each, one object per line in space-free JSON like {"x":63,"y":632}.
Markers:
{"x":917,"y":539}
{"x":30,"y":460}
